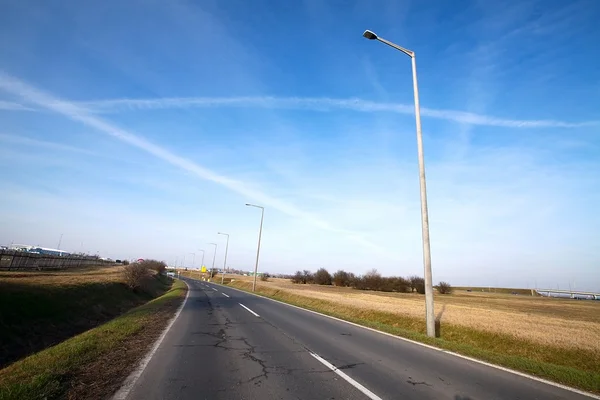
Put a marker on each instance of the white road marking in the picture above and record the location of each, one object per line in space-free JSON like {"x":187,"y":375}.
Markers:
{"x":129,"y":383}
{"x":351,"y":381}
{"x":216,"y":290}
{"x":224,"y":294}
{"x":511,"y":371}
{"x":249,"y":310}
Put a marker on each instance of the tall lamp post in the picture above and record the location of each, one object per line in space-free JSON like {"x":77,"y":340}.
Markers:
{"x":262,"y":215}
{"x":214,"y":256}
{"x":429,"y":311}
{"x":225,"y":260}
{"x":193,"y":259}
{"x":202,"y":264}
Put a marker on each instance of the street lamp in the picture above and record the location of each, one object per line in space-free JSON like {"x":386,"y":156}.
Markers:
{"x":202,"y":264}
{"x":214,"y":256}
{"x":429,"y":311}
{"x":262,"y":215}
{"x":224,"y":261}
{"x":193,"y":259}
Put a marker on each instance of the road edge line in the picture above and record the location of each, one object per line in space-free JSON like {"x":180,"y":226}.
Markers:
{"x":131,"y":380}
{"x":505,"y":369}
{"x":345,"y":377}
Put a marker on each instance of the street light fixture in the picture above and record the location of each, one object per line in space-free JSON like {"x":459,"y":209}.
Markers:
{"x":262,"y":215}
{"x":224,"y":261}
{"x":193,"y":259}
{"x":214,"y":256}
{"x":429,"y":310}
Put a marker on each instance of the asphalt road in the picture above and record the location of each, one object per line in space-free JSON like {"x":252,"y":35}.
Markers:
{"x":228,"y":344}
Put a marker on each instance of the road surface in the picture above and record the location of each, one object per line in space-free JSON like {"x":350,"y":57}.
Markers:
{"x":228,"y":344}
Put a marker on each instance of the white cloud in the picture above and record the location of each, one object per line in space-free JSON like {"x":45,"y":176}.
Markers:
{"x":321,"y":104}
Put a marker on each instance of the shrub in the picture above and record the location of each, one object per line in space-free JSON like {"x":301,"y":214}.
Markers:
{"x":444,"y":288}
{"x":322,"y":277}
{"x":135,"y":275}
{"x":264,"y":277}
{"x":417,"y":284}
{"x":372,"y":280}
{"x":125,"y":262}
{"x":307,"y":277}
{"x":342,"y":278}
{"x":158,"y":266}
{"x":297,"y":277}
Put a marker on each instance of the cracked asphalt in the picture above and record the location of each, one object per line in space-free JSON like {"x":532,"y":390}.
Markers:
{"x":216,"y":349}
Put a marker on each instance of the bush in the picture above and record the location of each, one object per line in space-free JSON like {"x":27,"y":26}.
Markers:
{"x":444,"y":288}
{"x":297,"y":277}
{"x":125,"y":262}
{"x":158,"y":266}
{"x":307,"y":277}
{"x":136,"y":275}
{"x":342,"y":278}
{"x":264,"y":277}
{"x":322,"y":277}
{"x":303,"y":277}
{"x":417,"y":284}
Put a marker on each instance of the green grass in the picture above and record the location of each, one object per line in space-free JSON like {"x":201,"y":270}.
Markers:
{"x":41,"y":310}
{"x":574,"y":367}
{"x":52,"y":373}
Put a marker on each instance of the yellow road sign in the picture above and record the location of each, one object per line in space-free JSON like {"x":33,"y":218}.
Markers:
{"x":203,"y":269}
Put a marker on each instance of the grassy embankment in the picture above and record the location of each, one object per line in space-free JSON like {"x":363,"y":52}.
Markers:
{"x":513,"y":331}
{"x":47,"y":307}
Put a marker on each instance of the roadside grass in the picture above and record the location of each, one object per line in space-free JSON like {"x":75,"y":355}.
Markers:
{"x":94,"y":363}
{"x":574,"y":367}
{"x":41,"y":309}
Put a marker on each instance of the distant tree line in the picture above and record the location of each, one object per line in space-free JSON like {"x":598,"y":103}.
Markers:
{"x":372,"y":280}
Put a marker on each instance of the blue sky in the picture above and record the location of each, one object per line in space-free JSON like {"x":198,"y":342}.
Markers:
{"x":141,"y":128}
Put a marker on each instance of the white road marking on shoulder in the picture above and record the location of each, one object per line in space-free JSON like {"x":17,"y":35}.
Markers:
{"x":351,"y":381}
{"x":224,"y":294}
{"x":249,"y":310}
{"x":134,"y":376}
{"x":216,"y":290}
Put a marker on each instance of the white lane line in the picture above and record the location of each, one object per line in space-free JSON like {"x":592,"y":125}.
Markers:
{"x":351,"y":381}
{"x":487,"y":364}
{"x":224,"y":294}
{"x":129,"y":383}
{"x":216,"y":290}
{"x":252,"y":312}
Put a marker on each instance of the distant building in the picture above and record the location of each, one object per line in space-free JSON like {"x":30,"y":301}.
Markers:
{"x":38,"y":250}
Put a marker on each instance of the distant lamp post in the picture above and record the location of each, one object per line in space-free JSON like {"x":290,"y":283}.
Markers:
{"x":201,"y":265}
{"x":262,"y":215}
{"x":193,"y":259}
{"x":225,"y":260}
{"x":214,"y":256}
{"x":429,"y":310}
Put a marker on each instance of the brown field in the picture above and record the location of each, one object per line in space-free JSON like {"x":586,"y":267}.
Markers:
{"x":73,"y":276}
{"x":562,"y":323}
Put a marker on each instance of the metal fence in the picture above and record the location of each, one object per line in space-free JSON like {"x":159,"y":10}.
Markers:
{"x":12,"y":260}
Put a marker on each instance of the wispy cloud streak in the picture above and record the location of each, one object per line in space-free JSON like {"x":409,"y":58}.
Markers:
{"x":8,"y":105}
{"x":323,"y":104}
{"x":75,"y":112}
